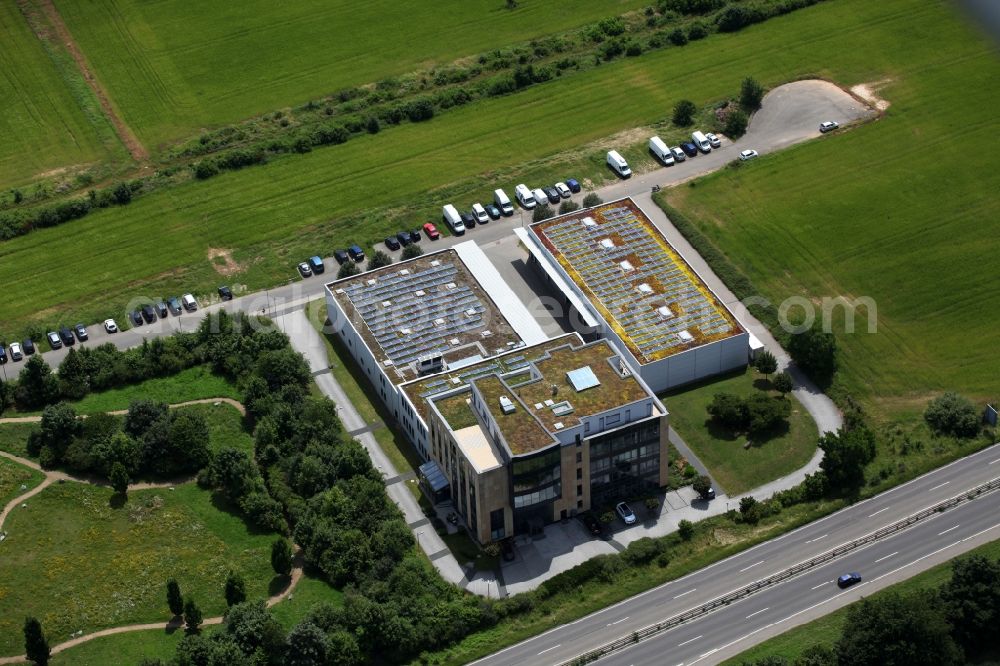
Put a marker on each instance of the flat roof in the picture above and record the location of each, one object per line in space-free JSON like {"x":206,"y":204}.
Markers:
{"x":636,"y":279}
{"x":427,"y":306}
{"x":477,"y":448}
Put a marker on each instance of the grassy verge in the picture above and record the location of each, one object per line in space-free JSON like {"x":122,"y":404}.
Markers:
{"x":225,"y":427}
{"x":738,"y":469}
{"x":311,"y":590}
{"x":826,"y":630}
{"x":14,"y":438}
{"x":16,"y":479}
{"x":78,"y":561}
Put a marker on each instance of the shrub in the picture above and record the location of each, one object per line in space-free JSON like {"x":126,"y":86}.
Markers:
{"x":751,"y":94}
{"x":411,"y":251}
{"x":568,"y":206}
{"x":765,"y":412}
{"x":372,"y":125}
{"x":542,"y":212}
{"x":765,"y":363}
{"x":782,"y":383}
{"x":697,"y":30}
{"x":419,"y":110}
{"x":592,"y":199}
{"x":702,"y":484}
{"x":952,"y":414}
{"x":378,"y":260}
{"x":684,"y":112}
{"x":205,"y":169}
{"x":737,"y":17}
{"x":685,"y":529}
{"x":347,"y":269}
{"x":736,"y":124}
{"x":815,"y":351}
{"x":642,"y":551}
{"x":677,"y":37}
{"x":613,"y":26}
{"x":633,"y":49}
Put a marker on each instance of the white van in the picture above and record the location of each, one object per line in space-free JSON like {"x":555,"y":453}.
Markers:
{"x":525,"y":197}
{"x":661,"y":151}
{"x":540,"y":197}
{"x":618,"y":164}
{"x":701,"y":141}
{"x":502,"y":202}
{"x":453,"y":219}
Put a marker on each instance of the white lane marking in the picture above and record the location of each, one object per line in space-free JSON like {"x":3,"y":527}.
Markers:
{"x":940,"y":485}
{"x":757,"y":612}
{"x":731,"y":643}
{"x":879,"y":511}
{"x":712,"y":651}
{"x":995,"y":461}
{"x":683,"y":593}
{"x":548,"y":649}
{"x":690,"y":640}
{"x":981,"y":532}
{"x":821,"y":585}
{"x":949,"y":530}
{"x":885,"y":557}
{"x":818,"y":538}
{"x":611,"y":624}
{"x":751,"y":566}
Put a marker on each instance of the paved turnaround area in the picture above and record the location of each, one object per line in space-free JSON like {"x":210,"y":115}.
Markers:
{"x":728,"y":631}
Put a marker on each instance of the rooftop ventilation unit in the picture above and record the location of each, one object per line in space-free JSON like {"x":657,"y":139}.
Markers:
{"x":435,"y":263}
{"x":339,"y":291}
{"x":372,"y":282}
{"x":626,"y":266}
{"x":439,"y":321}
{"x":420,"y":292}
{"x":471,"y":312}
{"x":644,"y":288}
{"x":455,"y":342}
{"x":486,"y":334}
{"x":405,"y":271}
{"x":685,"y":336}
{"x":429,"y":364}
{"x":506,"y":406}
{"x":589,"y":222}
{"x":451,"y":285}
{"x":583,"y":378}
{"x":607,"y":244}
{"x":538,"y":405}
{"x":387,"y":362}
{"x":558,"y":425}
{"x":405,"y":331}
{"x":664,"y":312}
{"x":562,"y":408}
{"x":386,"y":304}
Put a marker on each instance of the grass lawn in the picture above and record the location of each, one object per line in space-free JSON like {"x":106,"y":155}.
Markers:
{"x":195,"y":66}
{"x":736,"y":468}
{"x":42,"y":124}
{"x":827,"y":629}
{"x":14,"y":438}
{"x":271,"y":216}
{"x":465,"y":550}
{"x":311,"y":590}
{"x":13,"y":476}
{"x":76,"y":562}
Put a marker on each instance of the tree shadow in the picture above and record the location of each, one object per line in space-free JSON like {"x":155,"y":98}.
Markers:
{"x":719,"y":431}
{"x":763,"y":384}
{"x":117,"y":500}
{"x":761,"y":438}
{"x":278,"y":584}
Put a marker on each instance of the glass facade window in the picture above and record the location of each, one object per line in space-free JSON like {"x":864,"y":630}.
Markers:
{"x":625,"y":463}
{"x":497,"y":530}
{"x":537,"y":479}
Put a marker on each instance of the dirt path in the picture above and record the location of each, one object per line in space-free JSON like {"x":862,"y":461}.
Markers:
{"x":236,"y":404}
{"x":171,"y":625}
{"x":63,"y":35}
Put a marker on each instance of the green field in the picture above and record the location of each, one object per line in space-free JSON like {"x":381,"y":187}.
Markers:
{"x":271,"y":216}
{"x":827,"y":628}
{"x":735,"y":468}
{"x":76,"y":562}
{"x":198,"y":65}
{"x":14,"y":437}
{"x":13,"y":476}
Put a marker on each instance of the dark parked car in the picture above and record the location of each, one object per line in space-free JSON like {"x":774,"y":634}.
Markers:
{"x":148,"y":313}
{"x":66,"y":336}
{"x":689,"y":149}
{"x":403,"y":237}
{"x":849,"y":579}
{"x":225,"y":293}
{"x":592,"y":524}
{"x":316,"y":264}
{"x":3,"y":353}
{"x":54,"y":341}
{"x":415,"y":236}
{"x":174,"y":306}
{"x":392,"y":243}
{"x":136,"y":317}
{"x":573,"y":185}
{"x":81,"y":332}
{"x":552,"y":193}
{"x":493,"y":211}
{"x":161,"y":309}
{"x":469,"y":220}
{"x":29,"y":347}
{"x":356,"y":253}
{"x":340,"y":256}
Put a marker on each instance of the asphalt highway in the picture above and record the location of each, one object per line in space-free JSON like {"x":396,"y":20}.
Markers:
{"x":568,"y":641}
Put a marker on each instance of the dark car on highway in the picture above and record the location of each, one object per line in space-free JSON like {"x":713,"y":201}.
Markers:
{"x":689,"y":149}
{"x":849,"y":579}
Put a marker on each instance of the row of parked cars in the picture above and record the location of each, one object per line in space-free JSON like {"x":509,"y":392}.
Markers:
{"x":501,"y":206}
{"x":354,"y":252}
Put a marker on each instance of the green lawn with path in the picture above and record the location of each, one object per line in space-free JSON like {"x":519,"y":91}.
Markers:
{"x":77,"y":561}
{"x":190,"y":384}
{"x":736,"y":468}
{"x":311,"y":590}
{"x":13,"y":476}
{"x":14,"y":438}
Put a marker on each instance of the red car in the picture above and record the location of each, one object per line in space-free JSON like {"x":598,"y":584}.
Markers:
{"x":431,"y":231}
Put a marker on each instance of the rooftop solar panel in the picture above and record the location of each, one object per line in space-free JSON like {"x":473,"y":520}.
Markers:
{"x":583,"y":378}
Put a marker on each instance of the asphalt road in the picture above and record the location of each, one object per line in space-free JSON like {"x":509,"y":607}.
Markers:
{"x":566,"y":642}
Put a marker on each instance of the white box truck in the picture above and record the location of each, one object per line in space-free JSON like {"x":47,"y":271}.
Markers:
{"x":661,"y":151}
{"x":525,"y":197}
{"x":453,"y":219}
{"x":503,"y":203}
{"x":618,"y":164}
{"x":701,"y":141}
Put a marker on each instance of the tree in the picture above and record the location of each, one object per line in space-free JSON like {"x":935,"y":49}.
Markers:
{"x":782,"y":383}
{"x":684,"y":112}
{"x":36,"y":647}
{"x":702,"y":484}
{"x":972,"y":603}
{"x":817,"y":655}
{"x":766,"y":412}
{"x":730,"y":411}
{"x":251,"y":625}
{"x":765,"y":363}
{"x":411,"y":251}
{"x":347,"y":269}
{"x":307,"y":645}
{"x":74,"y":379}
{"x":58,"y":427}
{"x":815,"y":352}
{"x":568,"y":206}
{"x":893,"y":630}
{"x":175,"y":602}
{"x":235,"y":590}
{"x":541,"y":212}
{"x":192,"y":616}
{"x":233,"y":472}
{"x":750,"y":510}
{"x":141,"y":416}
{"x":677,"y":37}
{"x":685,"y":529}
{"x":592,"y":199}
{"x":845,"y":454}
{"x":281,"y":557}
{"x":751,"y":94}
{"x":5,"y":393}
{"x":378,"y":260}
{"x":188,"y":440}
{"x":952,"y":414}
{"x":119,"y":478}
{"x":736,"y":124}
{"x":281,"y":367}
{"x":36,"y":385}
{"x":372,"y":125}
